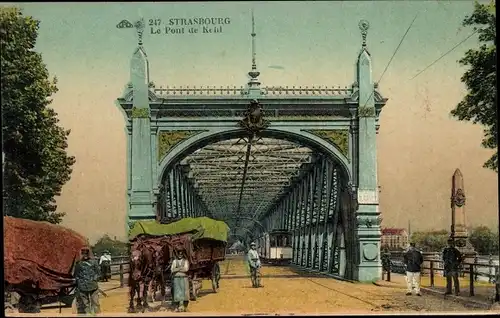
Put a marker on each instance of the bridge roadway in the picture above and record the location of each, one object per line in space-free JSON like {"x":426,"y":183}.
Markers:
{"x":285,"y":291}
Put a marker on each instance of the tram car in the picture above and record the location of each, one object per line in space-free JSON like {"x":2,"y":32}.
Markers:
{"x":275,"y":247}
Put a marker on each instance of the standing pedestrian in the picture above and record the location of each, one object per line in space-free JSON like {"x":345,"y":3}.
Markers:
{"x":105,"y":264}
{"x":413,"y":260}
{"x":254,"y":264}
{"x":87,"y":275}
{"x":452,"y":259}
{"x":180,"y":282}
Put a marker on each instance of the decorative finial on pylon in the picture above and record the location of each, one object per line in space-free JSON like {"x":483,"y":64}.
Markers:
{"x":253,"y":73}
{"x":139,"y":26}
{"x":364,"y":26}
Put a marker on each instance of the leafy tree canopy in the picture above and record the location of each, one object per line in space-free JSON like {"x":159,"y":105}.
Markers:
{"x":430,"y":241}
{"x":36,"y":163}
{"x":114,"y":246}
{"x":479,"y":105}
{"x":484,"y":240}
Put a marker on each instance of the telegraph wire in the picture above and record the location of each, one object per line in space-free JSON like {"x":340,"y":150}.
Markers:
{"x":397,"y":48}
{"x":392,"y":57}
{"x":448,"y":52}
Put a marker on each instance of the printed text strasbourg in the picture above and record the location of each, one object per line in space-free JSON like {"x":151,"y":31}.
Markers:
{"x":198,"y":21}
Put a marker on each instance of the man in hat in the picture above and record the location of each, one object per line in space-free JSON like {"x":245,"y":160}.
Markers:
{"x":180,"y":282}
{"x":413,"y":260}
{"x":105,"y":263}
{"x":87,"y":275}
{"x":452,"y":258}
{"x":254,"y":263}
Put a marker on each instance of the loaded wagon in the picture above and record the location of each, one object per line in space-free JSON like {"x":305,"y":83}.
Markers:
{"x":39,"y":259}
{"x":202,"y":239}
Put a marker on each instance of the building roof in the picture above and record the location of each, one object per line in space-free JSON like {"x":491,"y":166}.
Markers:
{"x":393,"y":231}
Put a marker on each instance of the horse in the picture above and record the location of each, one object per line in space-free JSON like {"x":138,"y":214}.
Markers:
{"x":158,"y":279}
{"x":141,"y":273}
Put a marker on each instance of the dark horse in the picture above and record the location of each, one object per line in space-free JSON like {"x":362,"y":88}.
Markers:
{"x":142,"y":268}
{"x":160,"y":258}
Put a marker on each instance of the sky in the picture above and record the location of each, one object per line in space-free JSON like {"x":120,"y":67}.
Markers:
{"x":315,"y":43}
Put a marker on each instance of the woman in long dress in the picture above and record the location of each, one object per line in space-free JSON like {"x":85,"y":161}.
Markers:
{"x":179,"y":269}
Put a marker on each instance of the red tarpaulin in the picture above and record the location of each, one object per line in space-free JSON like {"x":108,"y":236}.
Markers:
{"x":40,"y":255}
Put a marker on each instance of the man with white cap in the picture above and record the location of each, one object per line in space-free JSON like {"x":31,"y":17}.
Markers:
{"x":254,"y":263}
{"x":105,"y":263}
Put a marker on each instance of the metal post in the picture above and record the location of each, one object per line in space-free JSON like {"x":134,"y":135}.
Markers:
{"x":121,"y":275}
{"x":471,"y":280}
{"x":389,"y":271}
{"x":490,"y":269}
{"x":476,"y":273}
{"x":497,"y":282}
{"x":431,"y":268}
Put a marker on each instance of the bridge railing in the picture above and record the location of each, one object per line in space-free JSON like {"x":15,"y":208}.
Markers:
{"x":240,"y":91}
{"x":433,"y":267}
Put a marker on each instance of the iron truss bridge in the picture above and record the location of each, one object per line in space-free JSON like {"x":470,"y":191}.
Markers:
{"x":262,"y":158}
{"x":256,"y":184}
{"x":240,"y":190}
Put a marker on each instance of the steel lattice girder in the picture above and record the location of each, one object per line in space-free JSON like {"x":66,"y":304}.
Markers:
{"x":313,"y":213}
{"x":216,"y":172}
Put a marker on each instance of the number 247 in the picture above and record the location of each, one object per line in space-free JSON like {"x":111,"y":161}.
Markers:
{"x":153,"y":22}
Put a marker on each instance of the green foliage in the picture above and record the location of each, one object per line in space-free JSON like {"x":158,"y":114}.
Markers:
{"x":479,"y":105}
{"x":115,"y":247}
{"x":484,"y":240}
{"x":430,"y":241}
{"x":36,"y":163}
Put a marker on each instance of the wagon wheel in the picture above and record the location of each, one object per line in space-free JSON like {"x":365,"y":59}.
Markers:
{"x":194,"y":294}
{"x":215,"y":277}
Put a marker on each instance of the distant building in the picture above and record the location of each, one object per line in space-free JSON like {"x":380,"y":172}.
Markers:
{"x":236,"y":248}
{"x":394,"y":238}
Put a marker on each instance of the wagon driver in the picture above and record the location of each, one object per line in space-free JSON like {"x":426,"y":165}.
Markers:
{"x":253,"y":261}
{"x":180,"y":281}
{"x":87,"y":275}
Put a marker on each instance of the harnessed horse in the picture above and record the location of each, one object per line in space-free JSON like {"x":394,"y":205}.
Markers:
{"x":158,"y":279}
{"x":142,"y":268}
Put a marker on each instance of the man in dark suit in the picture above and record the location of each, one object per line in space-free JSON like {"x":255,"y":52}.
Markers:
{"x":413,"y":260}
{"x":452,"y":259}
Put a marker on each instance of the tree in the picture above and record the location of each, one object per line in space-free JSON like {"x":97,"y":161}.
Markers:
{"x":480,"y":105}
{"x":484,"y":240}
{"x":430,"y":241}
{"x":36,"y":163}
{"x":114,"y":246}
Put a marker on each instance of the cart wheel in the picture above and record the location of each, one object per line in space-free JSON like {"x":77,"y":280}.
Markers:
{"x":194,"y":294}
{"x":215,"y":278}
{"x":218,"y":275}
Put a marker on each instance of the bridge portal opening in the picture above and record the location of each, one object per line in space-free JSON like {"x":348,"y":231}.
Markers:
{"x":260,"y":184}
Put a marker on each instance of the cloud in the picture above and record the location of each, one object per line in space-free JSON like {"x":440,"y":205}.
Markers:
{"x":277,"y":67}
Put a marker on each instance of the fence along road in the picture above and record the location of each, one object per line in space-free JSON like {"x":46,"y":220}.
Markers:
{"x":287,"y":290}
{"x":479,"y":277}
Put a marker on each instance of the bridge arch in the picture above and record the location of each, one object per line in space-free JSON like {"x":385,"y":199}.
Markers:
{"x":198,"y":141}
